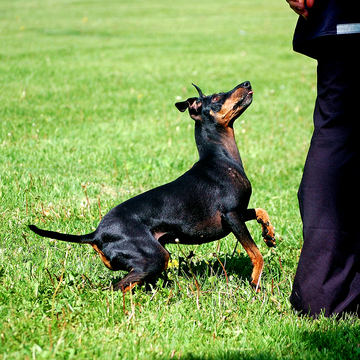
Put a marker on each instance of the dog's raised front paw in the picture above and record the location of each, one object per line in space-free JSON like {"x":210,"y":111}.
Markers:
{"x":268,"y":231}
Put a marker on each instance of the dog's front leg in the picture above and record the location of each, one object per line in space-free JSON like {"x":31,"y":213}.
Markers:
{"x":239,"y":229}
{"x":262,"y":217}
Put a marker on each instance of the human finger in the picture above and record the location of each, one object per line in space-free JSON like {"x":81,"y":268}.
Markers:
{"x":299,"y":7}
{"x":310,"y":3}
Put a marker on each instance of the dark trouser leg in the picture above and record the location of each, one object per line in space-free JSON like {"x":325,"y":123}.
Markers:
{"x":328,"y":274}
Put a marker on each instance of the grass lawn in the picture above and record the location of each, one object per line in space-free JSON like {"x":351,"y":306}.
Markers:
{"x":87,"y":120}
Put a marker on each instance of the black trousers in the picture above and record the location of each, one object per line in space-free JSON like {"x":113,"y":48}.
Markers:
{"x":328,"y":275}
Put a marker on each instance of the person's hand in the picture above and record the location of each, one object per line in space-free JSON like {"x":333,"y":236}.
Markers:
{"x":299,"y":6}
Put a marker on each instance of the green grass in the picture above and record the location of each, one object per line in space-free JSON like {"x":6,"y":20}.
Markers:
{"x":87,"y":112}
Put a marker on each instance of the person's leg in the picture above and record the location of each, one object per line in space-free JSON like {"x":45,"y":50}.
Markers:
{"x":328,"y":274}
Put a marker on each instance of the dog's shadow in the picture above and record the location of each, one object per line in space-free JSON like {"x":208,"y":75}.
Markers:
{"x":221,"y":266}
{"x":215,"y":265}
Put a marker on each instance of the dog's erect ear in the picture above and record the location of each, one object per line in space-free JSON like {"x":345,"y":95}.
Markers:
{"x":201,"y":95}
{"x":182,"y":106}
{"x":193,"y":104}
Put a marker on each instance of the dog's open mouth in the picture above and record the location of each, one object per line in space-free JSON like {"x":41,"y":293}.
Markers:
{"x":245,"y":101}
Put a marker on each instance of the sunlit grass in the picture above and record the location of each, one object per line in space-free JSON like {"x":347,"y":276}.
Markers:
{"x":87,"y":120}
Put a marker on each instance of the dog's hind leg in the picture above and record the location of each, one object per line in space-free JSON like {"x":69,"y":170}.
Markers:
{"x":147,"y":263}
{"x":129,"y":281}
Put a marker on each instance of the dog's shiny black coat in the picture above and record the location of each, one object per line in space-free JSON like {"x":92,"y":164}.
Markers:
{"x":205,"y":204}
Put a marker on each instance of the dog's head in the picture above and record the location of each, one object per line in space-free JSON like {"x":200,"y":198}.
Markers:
{"x":223,"y":108}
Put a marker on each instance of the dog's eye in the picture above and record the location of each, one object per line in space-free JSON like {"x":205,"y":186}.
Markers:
{"x":215,"y":99}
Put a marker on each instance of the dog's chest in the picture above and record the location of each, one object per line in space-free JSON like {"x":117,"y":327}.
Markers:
{"x":232,"y":173}
{"x":236,"y":176}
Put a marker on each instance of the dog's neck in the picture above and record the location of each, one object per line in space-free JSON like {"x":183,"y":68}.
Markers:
{"x":217,"y":141}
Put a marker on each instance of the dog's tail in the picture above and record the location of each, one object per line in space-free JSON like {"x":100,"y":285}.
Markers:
{"x":63,"y":237}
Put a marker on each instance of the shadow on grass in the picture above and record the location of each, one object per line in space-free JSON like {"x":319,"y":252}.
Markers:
{"x":233,"y":354}
{"x":213,"y":265}
{"x":205,"y":267}
{"x":342,"y":339}
{"x":325,"y":339}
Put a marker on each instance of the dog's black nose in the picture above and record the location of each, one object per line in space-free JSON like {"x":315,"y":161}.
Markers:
{"x":246,"y":84}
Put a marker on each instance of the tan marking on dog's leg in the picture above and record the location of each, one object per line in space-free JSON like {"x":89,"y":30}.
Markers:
{"x":166,"y":261}
{"x":102,"y":256}
{"x":129,"y":287}
{"x":268,"y":231}
{"x":241,"y":232}
{"x":158,"y":235}
{"x":258,"y":264}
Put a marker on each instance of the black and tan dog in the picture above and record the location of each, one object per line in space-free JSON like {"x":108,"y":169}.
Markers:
{"x":205,"y":204}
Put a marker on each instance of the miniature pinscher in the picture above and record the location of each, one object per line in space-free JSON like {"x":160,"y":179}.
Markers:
{"x":205,"y":204}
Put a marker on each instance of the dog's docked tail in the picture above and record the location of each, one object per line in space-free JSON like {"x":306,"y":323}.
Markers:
{"x":63,"y":237}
